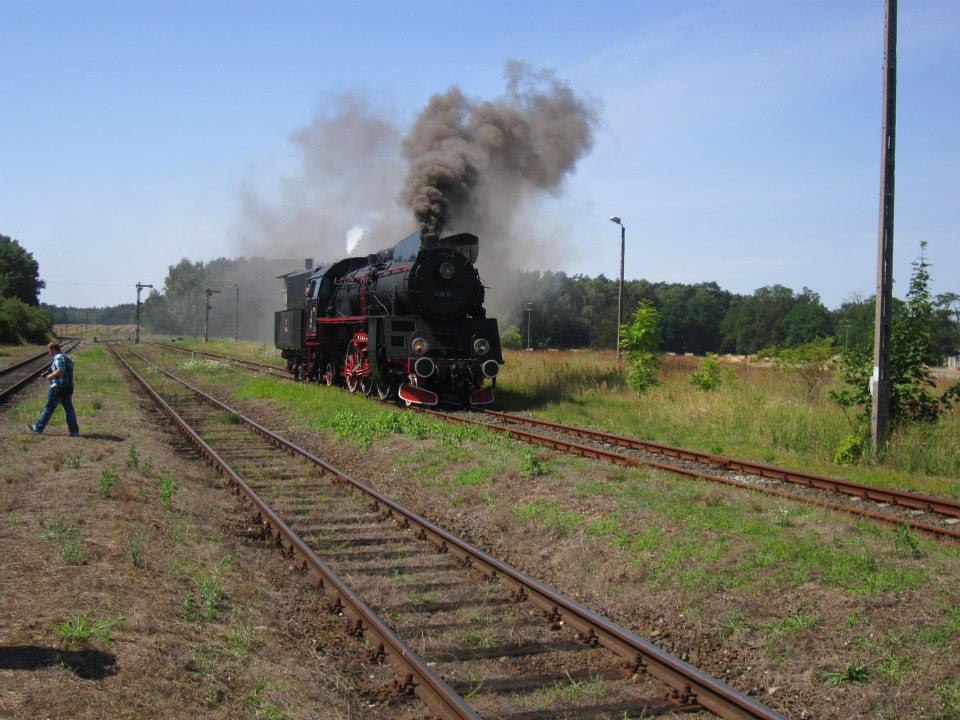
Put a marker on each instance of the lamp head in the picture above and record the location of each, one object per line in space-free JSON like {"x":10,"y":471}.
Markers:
{"x":616,"y":220}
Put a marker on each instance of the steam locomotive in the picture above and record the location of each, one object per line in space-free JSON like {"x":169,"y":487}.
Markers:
{"x":405,"y":322}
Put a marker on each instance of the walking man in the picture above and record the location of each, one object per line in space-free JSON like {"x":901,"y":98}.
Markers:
{"x":60,"y":376}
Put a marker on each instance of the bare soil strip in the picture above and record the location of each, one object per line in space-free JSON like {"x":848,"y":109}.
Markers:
{"x":130,"y":589}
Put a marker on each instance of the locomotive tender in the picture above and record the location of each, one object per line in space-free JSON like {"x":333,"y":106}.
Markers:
{"x":406,"y":321}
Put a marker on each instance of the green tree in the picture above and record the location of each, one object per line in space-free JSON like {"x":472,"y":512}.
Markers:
{"x":807,"y":320}
{"x":19,"y":273}
{"x":510,"y":338}
{"x":912,"y":350}
{"x":640,"y":341}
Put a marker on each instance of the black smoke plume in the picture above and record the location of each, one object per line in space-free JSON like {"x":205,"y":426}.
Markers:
{"x":473,"y":163}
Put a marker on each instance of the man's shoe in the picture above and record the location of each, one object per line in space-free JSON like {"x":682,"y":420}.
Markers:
{"x":76,"y":434}
{"x":33,"y":429}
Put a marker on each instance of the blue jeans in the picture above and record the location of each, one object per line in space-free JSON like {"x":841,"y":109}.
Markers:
{"x":56,"y":396}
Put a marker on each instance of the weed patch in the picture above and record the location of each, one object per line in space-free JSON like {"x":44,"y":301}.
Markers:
{"x":135,"y":547}
{"x":81,"y":629}
{"x":849,"y":674}
{"x":108,"y":479}
{"x":167,"y":488}
{"x":532,"y":465}
{"x":67,"y":537}
{"x":550,"y":516}
{"x":133,"y":459}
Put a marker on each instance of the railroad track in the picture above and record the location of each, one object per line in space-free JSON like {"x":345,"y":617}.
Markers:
{"x":249,"y":364}
{"x":929,"y":514}
{"x":936,"y":516}
{"x":17,"y":375}
{"x":470,"y":635}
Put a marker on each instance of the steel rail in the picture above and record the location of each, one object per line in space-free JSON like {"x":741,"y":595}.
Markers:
{"x":274,"y":369}
{"x":20,"y":363}
{"x":690,"y":685}
{"x":364,"y":623}
{"x":920,"y":502}
{"x":891,"y":496}
{"x":22,"y":382}
{"x":623,"y":459}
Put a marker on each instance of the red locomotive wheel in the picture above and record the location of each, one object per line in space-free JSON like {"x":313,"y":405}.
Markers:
{"x":352,"y":367}
{"x":329,"y":375}
{"x":385,"y":389}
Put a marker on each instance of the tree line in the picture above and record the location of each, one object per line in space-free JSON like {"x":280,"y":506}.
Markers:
{"x":21,"y":318}
{"x":580,"y":311}
{"x":568,"y":311}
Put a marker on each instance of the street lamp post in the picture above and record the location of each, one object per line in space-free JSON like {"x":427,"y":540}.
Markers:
{"x":623,"y":243}
{"x":140,"y":287}
{"x":236,"y":314}
{"x":529,"y":324}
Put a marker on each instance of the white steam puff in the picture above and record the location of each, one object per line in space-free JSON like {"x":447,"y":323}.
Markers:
{"x":354,"y":236}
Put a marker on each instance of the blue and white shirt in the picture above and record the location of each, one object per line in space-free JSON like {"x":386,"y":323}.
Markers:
{"x":65,"y":379}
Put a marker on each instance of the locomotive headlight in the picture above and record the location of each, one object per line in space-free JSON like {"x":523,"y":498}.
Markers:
{"x":481,"y":346}
{"x":419,"y":346}
{"x":447,"y":270}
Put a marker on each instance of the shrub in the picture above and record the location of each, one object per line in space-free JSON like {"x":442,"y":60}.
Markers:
{"x":20,"y":322}
{"x":510,"y":338}
{"x":640,"y":340}
{"x":912,"y":351}
{"x":708,"y":376}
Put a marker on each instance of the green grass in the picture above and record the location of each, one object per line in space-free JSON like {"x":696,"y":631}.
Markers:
{"x":108,"y":479}
{"x":204,"y":600}
{"x":755,"y":413}
{"x":245,"y":349}
{"x":167,"y":488}
{"x":133,"y":459}
{"x":81,"y":629}
{"x":563,"y":693}
{"x":949,"y":692}
{"x":354,"y":418}
{"x":67,"y":537}
{"x":135,"y":548}
{"x":549,"y":516}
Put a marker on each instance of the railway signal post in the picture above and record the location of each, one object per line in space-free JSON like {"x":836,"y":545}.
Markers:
{"x":206,"y":313}
{"x":140,"y":287}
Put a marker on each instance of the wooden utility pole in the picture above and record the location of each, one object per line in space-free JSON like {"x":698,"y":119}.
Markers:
{"x":880,"y":383}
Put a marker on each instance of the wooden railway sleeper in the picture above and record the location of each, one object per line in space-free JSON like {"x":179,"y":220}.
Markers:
{"x":355,"y":627}
{"x":635,"y":668}
{"x":589,"y":637}
{"x":378,"y":654}
{"x":552,"y":618}
{"x":407,"y":688}
{"x":685,"y":698}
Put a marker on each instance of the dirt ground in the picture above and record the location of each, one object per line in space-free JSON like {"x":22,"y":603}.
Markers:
{"x":130,"y":587}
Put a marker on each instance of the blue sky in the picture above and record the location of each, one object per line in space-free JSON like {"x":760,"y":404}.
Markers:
{"x":738,"y":140}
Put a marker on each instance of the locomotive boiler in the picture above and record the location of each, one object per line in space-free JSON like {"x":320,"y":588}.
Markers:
{"x":407,"y":321}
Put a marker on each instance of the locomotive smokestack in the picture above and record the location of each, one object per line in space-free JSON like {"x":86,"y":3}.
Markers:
{"x":308,"y":264}
{"x":429,"y":240}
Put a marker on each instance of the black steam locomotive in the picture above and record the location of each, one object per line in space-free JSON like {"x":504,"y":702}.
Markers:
{"x":407,"y":321}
